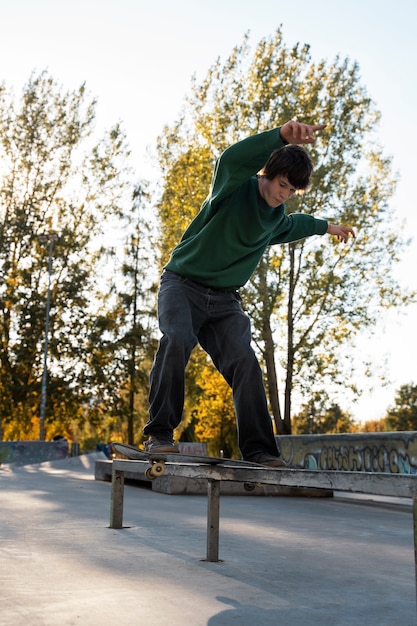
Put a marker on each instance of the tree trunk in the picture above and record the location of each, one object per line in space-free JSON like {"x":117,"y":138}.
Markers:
{"x":290,"y":344}
{"x":271,"y":374}
{"x":269,"y":348}
{"x":133,"y":374}
{"x":132,"y":387}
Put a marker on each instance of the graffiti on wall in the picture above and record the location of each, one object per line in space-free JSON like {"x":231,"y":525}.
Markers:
{"x":25,"y":452}
{"x":394,"y":453}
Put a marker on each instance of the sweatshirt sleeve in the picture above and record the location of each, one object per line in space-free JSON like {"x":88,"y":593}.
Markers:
{"x":242,"y":160}
{"x":299,"y":225}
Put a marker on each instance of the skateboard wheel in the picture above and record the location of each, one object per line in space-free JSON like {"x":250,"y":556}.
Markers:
{"x":249,"y":486}
{"x":149,"y":474}
{"x":158,"y":469}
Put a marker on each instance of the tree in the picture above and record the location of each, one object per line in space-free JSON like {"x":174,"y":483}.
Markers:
{"x":124,"y":358}
{"x":374,"y":426}
{"x":403,"y":414}
{"x":53,"y":177}
{"x":186,"y":179}
{"x":214,"y":414}
{"x":309,"y":299}
{"x":319,"y":416}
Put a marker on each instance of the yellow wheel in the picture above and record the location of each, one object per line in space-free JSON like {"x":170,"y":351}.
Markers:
{"x":149,"y":474}
{"x":158,"y":469}
{"x":155,"y":470}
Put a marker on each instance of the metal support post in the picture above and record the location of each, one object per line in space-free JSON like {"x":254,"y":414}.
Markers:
{"x":117,"y":494}
{"x":213,"y":517}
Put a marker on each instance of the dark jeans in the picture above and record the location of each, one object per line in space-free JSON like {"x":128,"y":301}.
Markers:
{"x":190,"y":313}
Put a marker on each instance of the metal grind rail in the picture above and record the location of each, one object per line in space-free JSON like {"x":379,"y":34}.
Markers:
{"x":380,"y":484}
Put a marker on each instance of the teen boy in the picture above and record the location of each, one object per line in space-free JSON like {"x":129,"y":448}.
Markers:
{"x":199,"y":301}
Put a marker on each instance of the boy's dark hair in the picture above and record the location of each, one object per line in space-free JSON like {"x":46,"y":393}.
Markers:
{"x":290,"y":161}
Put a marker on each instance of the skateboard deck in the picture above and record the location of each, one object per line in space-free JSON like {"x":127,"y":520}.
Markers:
{"x":157,"y":460}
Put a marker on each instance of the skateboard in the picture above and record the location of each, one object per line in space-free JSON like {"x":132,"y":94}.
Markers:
{"x":157,"y":460}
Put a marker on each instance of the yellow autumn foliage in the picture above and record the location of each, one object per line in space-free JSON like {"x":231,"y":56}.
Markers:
{"x":215,"y":414}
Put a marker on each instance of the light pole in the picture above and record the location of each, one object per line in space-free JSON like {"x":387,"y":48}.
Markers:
{"x":50,"y":239}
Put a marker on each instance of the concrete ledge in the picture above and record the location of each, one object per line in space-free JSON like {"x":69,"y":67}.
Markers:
{"x":180,"y":485}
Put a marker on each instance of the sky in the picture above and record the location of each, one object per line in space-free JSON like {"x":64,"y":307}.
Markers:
{"x":137,"y":59}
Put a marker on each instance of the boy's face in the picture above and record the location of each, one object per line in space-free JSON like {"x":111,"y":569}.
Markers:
{"x":276,"y":191}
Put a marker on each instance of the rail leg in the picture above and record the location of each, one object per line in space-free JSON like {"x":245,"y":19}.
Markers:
{"x":117,"y":493}
{"x":213,"y":517}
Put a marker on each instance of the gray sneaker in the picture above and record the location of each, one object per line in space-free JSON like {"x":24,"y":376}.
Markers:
{"x":264,"y":458}
{"x":161,"y":443}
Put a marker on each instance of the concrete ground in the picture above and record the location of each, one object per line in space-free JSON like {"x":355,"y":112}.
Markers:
{"x":287,"y":561}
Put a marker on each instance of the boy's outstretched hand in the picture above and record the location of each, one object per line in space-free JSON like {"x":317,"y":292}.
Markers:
{"x":299,"y":133}
{"x":341,"y":232}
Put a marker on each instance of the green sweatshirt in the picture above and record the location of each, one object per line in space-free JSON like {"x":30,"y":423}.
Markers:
{"x":226,"y":240}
